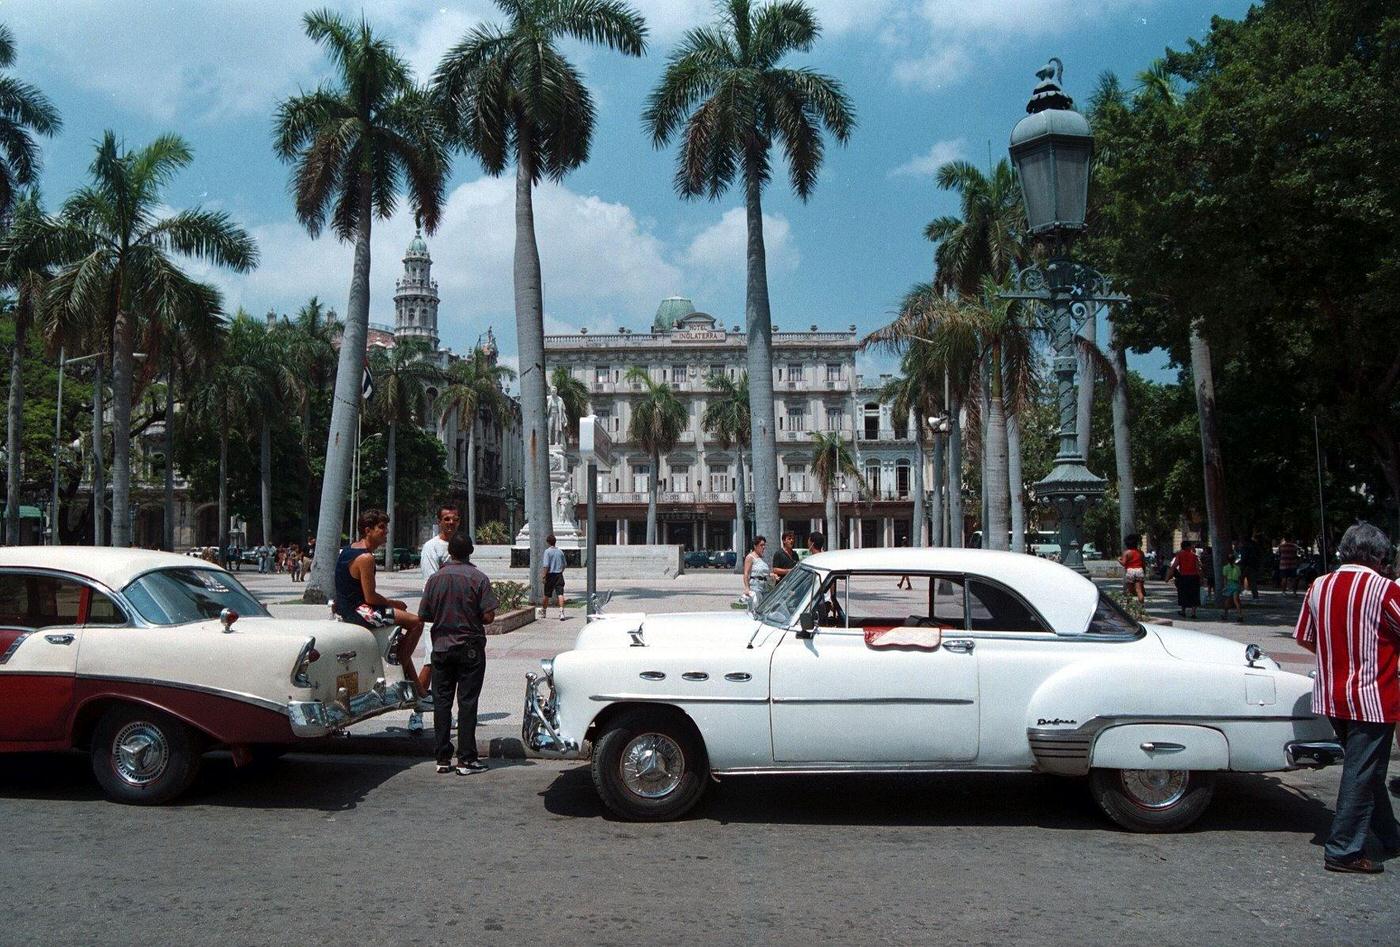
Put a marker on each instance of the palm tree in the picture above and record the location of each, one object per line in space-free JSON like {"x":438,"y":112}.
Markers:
{"x":25,"y":269}
{"x":916,"y":394}
{"x":354,"y":143}
{"x":474,"y":384}
{"x":511,"y":95}
{"x":227,"y":397}
{"x":951,"y":333}
{"x":121,"y":268}
{"x":573,"y":393}
{"x":24,"y":112}
{"x":725,"y":94}
{"x":726,"y":417}
{"x":985,"y":239}
{"x":402,"y":375}
{"x":833,"y":459}
{"x":310,"y":344}
{"x":658,"y":418}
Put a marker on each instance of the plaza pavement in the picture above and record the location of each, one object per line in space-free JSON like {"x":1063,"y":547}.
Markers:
{"x":1269,"y":623}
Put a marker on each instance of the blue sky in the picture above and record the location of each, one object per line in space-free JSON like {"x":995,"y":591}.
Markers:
{"x":931,"y":80}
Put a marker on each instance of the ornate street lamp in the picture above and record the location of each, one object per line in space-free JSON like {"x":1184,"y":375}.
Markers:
{"x":1051,"y":148}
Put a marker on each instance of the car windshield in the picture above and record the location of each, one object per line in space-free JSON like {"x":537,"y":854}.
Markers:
{"x":780,"y":605}
{"x":180,"y":595}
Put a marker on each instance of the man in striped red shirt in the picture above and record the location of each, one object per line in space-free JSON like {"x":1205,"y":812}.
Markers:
{"x":1351,"y":620}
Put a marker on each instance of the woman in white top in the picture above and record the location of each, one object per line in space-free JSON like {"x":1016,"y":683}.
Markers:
{"x":756,"y":570}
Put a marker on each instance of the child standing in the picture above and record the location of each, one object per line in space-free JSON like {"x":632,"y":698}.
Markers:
{"x":1232,"y":574}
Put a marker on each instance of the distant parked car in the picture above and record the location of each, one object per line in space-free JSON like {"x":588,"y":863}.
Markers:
{"x":697,"y":558}
{"x":723,"y":560}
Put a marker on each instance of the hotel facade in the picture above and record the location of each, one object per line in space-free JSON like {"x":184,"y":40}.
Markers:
{"x":815,"y":389}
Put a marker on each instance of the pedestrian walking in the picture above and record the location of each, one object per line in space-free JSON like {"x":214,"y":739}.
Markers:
{"x":1231,"y":593}
{"x":294,"y":561}
{"x":1134,"y":567}
{"x":433,"y":556}
{"x":553,"y":574}
{"x":459,"y":603}
{"x":755,"y":571}
{"x":1185,"y":570}
{"x":1251,"y":560}
{"x":1288,"y":557}
{"x":1351,"y":620}
{"x":358,"y":602}
{"x":785,"y":559}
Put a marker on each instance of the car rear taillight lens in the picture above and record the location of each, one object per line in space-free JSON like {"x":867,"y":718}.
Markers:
{"x":307,"y":655}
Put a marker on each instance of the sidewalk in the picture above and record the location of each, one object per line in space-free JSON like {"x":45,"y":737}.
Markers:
{"x":1269,"y":624}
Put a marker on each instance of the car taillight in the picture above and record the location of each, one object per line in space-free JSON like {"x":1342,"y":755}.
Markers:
{"x":305,"y":657}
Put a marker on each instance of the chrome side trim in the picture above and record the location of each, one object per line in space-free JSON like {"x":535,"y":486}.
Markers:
{"x":676,"y":699}
{"x":738,"y":677}
{"x":941,"y":701}
{"x":1066,"y":752}
{"x":653,"y":675}
{"x":820,"y":769}
{"x":695,"y":676}
{"x":197,"y":688}
{"x":14,"y":646}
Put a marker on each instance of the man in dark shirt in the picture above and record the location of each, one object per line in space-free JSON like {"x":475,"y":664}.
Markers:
{"x":785,"y":559}
{"x":459,"y":603}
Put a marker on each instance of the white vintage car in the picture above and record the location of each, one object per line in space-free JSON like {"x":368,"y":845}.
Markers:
{"x":149,"y":659}
{"x":988,"y":661}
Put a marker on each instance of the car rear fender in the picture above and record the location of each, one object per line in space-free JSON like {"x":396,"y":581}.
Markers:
{"x":1161,"y":746}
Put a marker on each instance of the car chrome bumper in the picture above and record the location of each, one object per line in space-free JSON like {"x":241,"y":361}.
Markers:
{"x":1314,"y":754}
{"x":540,"y":729}
{"x":319,"y":718}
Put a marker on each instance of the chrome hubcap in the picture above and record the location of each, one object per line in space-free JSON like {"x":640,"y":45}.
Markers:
{"x":1155,"y":788}
{"x":140,"y":753}
{"x":652,"y":765}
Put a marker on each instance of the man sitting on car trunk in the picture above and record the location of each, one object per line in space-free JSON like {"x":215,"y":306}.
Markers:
{"x":357,"y":601}
{"x":459,"y":602}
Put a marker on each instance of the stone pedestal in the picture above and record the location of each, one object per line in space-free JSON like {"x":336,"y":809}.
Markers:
{"x":562,"y":499}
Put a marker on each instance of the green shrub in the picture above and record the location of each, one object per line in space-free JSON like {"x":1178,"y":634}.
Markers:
{"x":510,"y":595}
{"x":493,"y":533}
{"x":1131,"y":605}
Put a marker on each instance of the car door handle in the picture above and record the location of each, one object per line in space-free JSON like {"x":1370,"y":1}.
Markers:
{"x":59,"y":639}
{"x":959,"y":645}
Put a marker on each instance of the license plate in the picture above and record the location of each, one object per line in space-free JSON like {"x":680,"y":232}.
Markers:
{"x":351,"y":683}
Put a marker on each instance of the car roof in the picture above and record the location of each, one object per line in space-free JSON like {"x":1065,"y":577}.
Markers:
{"x":1063,"y":597}
{"x":112,"y":567}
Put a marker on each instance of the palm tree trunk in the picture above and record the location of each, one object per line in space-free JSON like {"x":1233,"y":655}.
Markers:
{"x":391,"y":456}
{"x":471,"y":477}
{"x":123,"y":347}
{"x":651,"y":497}
{"x":833,"y":524}
{"x":168,"y":533}
{"x":1213,"y":466}
{"x":529,"y":333}
{"x":955,"y":503}
{"x":994,"y":465}
{"x":1018,"y":490}
{"x":13,"y":430}
{"x":741,"y":524}
{"x":99,"y":477}
{"x":1122,"y":446}
{"x":223,"y":494}
{"x":916,"y":528}
{"x":265,"y":478}
{"x":759,"y":323}
{"x":345,"y":411}
{"x":1085,"y":418}
{"x":937,"y":513}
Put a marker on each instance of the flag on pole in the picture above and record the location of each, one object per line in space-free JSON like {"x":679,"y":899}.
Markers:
{"x":367,"y":383}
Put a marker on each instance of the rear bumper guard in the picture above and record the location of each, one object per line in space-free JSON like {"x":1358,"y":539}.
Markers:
{"x":1314,"y":754}
{"x":319,"y":718}
{"x":540,"y":728}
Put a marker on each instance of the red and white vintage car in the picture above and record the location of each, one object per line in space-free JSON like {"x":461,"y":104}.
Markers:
{"x":148,"y":659}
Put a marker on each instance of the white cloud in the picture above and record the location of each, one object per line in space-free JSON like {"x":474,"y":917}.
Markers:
{"x":722,"y":247}
{"x":941,"y":153}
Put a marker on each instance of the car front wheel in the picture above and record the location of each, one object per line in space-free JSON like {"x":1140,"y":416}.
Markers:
{"x":1152,"y":800}
{"x":649,"y":766}
{"x":144,"y":757}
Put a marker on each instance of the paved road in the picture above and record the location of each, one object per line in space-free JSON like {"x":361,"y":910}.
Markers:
{"x":381,"y":850}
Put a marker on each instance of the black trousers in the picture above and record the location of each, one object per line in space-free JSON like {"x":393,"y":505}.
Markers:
{"x":1363,"y":805}
{"x":457,"y":671}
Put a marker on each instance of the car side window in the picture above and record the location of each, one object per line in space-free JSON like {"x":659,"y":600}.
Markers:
{"x":892,"y":600}
{"x":45,"y":601}
{"x":13,"y":598}
{"x":993,"y":608}
{"x":103,"y":611}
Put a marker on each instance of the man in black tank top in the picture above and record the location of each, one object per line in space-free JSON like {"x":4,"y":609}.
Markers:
{"x":357,"y":601}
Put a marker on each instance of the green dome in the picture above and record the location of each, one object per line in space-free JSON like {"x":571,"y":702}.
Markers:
{"x":672,"y":310}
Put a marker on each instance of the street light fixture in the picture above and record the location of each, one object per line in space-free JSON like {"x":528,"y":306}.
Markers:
{"x":1051,"y":148}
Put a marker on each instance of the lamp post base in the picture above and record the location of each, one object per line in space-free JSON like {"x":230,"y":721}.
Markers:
{"x":1070,"y":490}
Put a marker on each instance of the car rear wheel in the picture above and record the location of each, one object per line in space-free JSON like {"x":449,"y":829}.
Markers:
{"x":649,"y":766}
{"x":1152,"y":800}
{"x":144,"y":757}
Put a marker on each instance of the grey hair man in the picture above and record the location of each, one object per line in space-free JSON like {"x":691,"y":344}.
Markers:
{"x":1351,"y":621}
